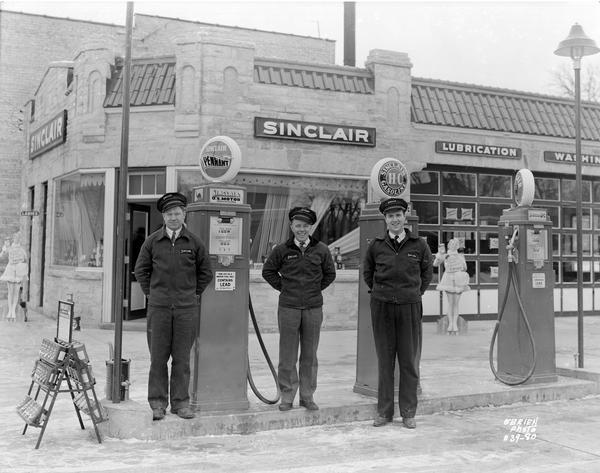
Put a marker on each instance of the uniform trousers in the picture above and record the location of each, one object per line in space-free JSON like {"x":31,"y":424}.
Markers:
{"x":170,"y":334}
{"x":298,"y":328}
{"x":397,"y":331}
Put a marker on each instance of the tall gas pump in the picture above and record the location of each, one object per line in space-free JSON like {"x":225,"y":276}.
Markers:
{"x":389,"y":178}
{"x":525,"y":326}
{"x":220,"y":216}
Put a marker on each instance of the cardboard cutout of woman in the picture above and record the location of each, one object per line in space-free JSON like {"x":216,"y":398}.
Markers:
{"x":455,"y":280}
{"x":15,"y":273}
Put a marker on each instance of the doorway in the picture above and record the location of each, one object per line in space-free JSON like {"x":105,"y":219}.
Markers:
{"x":139,"y":225}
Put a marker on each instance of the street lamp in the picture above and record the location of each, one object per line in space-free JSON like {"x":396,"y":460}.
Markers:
{"x":575,"y":46}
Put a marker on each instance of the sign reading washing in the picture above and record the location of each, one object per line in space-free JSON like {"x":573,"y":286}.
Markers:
{"x":452,"y":147}
{"x":315,"y":132}
{"x":569,"y":158}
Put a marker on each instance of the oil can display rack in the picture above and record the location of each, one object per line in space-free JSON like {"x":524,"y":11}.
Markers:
{"x":60,"y":362}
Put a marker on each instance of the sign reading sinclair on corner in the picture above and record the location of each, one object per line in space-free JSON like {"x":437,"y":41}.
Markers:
{"x":315,"y":132}
{"x":49,"y":135}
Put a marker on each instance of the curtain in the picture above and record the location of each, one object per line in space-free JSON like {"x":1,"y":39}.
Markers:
{"x":79,"y":220}
{"x":349,"y":242}
{"x":273,"y":226}
{"x":320,"y":205}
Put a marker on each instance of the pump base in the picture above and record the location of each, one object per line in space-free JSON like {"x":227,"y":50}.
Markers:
{"x":537,"y":378}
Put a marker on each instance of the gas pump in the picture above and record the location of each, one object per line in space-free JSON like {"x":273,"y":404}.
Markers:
{"x":389,"y":178}
{"x":220,"y":216}
{"x":525,"y":325}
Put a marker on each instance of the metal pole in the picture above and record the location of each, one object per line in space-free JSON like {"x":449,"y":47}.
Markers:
{"x":118,"y":293}
{"x":577,"y":67}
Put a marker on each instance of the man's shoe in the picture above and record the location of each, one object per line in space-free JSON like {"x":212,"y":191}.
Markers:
{"x":380,"y":420}
{"x":158,"y":413}
{"x":409,"y":422}
{"x":310,"y":405}
{"x":184,"y":412}
{"x":285,"y":406}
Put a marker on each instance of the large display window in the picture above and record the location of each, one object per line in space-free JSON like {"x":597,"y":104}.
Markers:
{"x":337,"y":203}
{"x":79,"y":220}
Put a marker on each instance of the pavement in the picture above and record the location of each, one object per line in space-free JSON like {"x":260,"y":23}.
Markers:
{"x":455,"y":377}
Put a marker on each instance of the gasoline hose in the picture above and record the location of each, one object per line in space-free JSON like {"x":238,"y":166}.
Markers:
{"x":271,"y":367}
{"x":512,"y":278}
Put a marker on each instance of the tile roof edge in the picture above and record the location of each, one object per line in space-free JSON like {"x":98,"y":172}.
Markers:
{"x":321,"y":67}
{"x":496,"y":90}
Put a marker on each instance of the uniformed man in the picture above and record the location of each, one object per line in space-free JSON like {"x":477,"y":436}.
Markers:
{"x":301,"y":268}
{"x":397,"y":269}
{"x":173,"y":269}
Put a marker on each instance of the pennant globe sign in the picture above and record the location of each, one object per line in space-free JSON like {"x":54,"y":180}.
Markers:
{"x":220,"y":159}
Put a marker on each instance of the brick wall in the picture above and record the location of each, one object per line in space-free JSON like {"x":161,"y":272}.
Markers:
{"x":157,"y":36}
{"x":27,"y":44}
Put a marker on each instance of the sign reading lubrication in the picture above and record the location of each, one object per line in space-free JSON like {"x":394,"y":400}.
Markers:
{"x":477,"y":149}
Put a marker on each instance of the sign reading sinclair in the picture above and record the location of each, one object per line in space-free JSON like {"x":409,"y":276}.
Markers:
{"x":315,"y":132}
{"x":49,"y":135}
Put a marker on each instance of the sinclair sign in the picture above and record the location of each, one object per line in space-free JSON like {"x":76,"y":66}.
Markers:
{"x":49,"y":135}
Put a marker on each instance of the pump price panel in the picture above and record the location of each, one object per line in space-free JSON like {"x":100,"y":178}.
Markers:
{"x":225,"y":236}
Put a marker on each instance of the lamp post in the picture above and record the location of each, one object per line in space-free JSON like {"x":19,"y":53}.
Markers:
{"x":575,"y":46}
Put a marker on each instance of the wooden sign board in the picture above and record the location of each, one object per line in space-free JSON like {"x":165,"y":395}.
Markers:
{"x":64,"y":321}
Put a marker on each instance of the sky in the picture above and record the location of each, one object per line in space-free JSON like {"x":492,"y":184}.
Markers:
{"x":506,"y":44}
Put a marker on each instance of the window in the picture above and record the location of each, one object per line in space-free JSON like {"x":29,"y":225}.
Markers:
{"x":424,"y":182}
{"x":458,"y":183}
{"x":459,"y":213}
{"x":146,"y":184}
{"x":337,"y":203}
{"x":488,"y":272}
{"x":428,"y":212}
{"x":569,"y":190}
{"x":570,"y":218}
{"x":79,"y":220}
{"x":490,"y":185}
{"x":596,"y":190}
{"x":546,"y":189}
{"x":489,"y":214}
{"x":467,"y":240}
{"x":488,"y":243}
{"x":569,"y":271}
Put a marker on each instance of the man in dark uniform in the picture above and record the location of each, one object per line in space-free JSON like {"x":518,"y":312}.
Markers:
{"x":173,"y":269}
{"x":301,"y":268}
{"x":397,"y":268}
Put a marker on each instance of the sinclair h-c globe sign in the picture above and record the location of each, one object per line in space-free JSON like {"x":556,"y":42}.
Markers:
{"x":220,"y":159}
{"x":389,"y":178}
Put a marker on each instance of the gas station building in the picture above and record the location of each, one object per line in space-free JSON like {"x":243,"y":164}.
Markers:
{"x":309,"y":132}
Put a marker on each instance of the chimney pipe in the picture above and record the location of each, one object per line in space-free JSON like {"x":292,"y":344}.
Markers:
{"x":350,"y":34}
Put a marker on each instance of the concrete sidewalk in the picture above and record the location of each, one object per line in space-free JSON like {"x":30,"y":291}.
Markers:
{"x":455,"y":374}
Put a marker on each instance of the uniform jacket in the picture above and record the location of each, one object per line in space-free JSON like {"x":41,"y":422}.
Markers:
{"x":173,"y":275}
{"x":300,"y":278}
{"x":398,"y":276}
